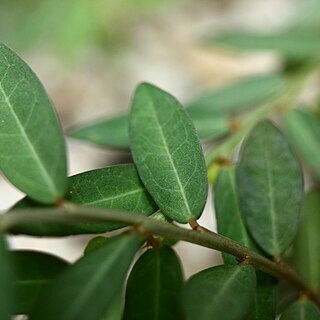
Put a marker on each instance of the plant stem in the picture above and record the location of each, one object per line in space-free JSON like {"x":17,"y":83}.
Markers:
{"x":146,"y":225}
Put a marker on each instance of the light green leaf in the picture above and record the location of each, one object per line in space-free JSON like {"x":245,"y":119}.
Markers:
{"x":244,"y":93}
{"x":33,"y":272}
{"x":303,"y":130}
{"x":167,"y":153}
{"x":116,"y":187}
{"x":110,"y":132}
{"x":223,"y":292}
{"x":94,"y":243}
{"x":32,"y":150}
{"x":159,"y":270}
{"x":229,"y":217}
{"x":7,"y":293}
{"x":87,"y":289}
{"x":306,"y":251}
{"x":270,"y":186}
{"x":292,"y":45}
{"x":301,"y":310}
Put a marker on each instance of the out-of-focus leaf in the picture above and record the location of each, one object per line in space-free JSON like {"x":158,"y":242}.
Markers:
{"x":87,"y":289}
{"x":33,"y":272}
{"x":7,"y":293}
{"x":240,"y":95}
{"x":270,"y":186}
{"x":115,"y":187}
{"x":307,"y":245}
{"x":301,"y":310}
{"x":110,"y":132}
{"x":159,"y":270}
{"x":223,"y":292}
{"x":32,"y":150}
{"x":168,"y":154}
{"x":303,"y":130}
{"x":95,"y":243}
{"x":292,"y":45}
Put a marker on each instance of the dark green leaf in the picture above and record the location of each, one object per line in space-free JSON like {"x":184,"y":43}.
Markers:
{"x":223,"y":292}
{"x":7,"y":293}
{"x":154,"y":286}
{"x":301,"y":310}
{"x":116,"y":309}
{"x":111,"y":132}
{"x":307,"y":245}
{"x":87,"y":289}
{"x":292,"y":45}
{"x":115,"y":187}
{"x":167,"y":153}
{"x":303,"y":130}
{"x":33,"y":272}
{"x":270,"y":186}
{"x":242,"y":94}
{"x":95,"y":243}
{"x":229,"y":218}
{"x":32,"y":150}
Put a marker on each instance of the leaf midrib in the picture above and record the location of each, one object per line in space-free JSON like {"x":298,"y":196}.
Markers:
{"x":29,"y":143}
{"x":164,"y":141}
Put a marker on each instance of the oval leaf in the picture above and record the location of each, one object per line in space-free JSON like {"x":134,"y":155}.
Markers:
{"x":159,"y":270}
{"x":301,"y":310}
{"x":168,"y":154}
{"x":223,"y":292}
{"x":116,"y":187}
{"x":270,"y":186}
{"x":32,"y":150}
{"x":240,"y":95}
{"x":33,"y":272}
{"x":306,"y":253}
{"x":111,"y":132}
{"x":87,"y":289}
{"x":7,"y":293}
{"x":303,"y":130}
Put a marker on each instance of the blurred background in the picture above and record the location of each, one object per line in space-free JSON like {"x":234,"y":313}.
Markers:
{"x":90,"y":55}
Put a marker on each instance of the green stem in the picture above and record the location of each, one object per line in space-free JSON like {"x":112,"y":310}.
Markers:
{"x":146,"y":225}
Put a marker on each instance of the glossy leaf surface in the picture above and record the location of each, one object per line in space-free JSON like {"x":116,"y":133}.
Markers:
{"x":223,"y":292}
{"x":240,"y":95}
{"x":154,"y":286}
{"x":292,"y":45}
{"x":301,"y":310}
{"x":306,"y":251}
{"x":33,"y":272}
{"x":115,"y":187}
{"x":7,"y":293}
{"x":111,"y":132}
{"x":167,"y":153}
{"x":229,"y":217}
{"x":32,"y":150}
{"x":270,"y":186}
{"x":303,"y":130}
{"x":87,"y":289}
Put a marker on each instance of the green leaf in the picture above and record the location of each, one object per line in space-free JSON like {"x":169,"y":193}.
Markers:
{"x":7,"y":293}
{"x":301,"y":310}
{"x":270,"y":186}
{"x":110,"y":132}
{"x":229,"y":217}
{"x":154,"y":286}
{"x":303,"y":130}
{"x":244,"y":93}
{"x":33,"y":272}
{"x":292,"y":45}
{"x":116,"y":187}
{"x":306,"y":244}
{"x":32,"y":150}
{"x":167,"y":153}
{"x":223,"y":292}
{"x":87,"y":289}
{"x":95,"y":243}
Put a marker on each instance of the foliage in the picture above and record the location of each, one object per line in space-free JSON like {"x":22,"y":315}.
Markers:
{"x":268,"y":231}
